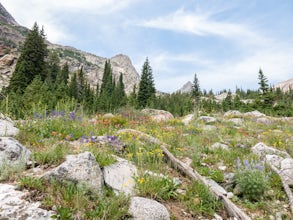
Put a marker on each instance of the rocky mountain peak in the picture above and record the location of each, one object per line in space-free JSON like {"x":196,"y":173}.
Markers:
{"x":285,"y":86}
{"x":186,"y":88}
{"x":5,"y":16}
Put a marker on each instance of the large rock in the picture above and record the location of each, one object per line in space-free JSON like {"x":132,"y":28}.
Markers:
{"x":13,"y":206}
{"x":287,"y":170}
{"x":262,"y":150}
{"x":236,"y":121}
{"x":264,"y":120}
{"x":81,"y":169}
{"x":12,"y":153}
{"x":7,"y":128}
{"x":120,"y":176}
{"x":274,"y":160}
{"x":207,"y":119}
{"x":232,"y":114}
{"x":158,"y":115}
{"x":254,"y":114}
{"x":147,"y":209}
{"x":187,"y":119}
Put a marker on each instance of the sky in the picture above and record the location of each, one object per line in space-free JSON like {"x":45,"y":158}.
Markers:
{"x":223,"y":42}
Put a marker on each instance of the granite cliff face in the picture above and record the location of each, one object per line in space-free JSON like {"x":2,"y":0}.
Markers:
{"x":12,"y":35}
{"x":285,"y":86}
{"x":186,"y":88}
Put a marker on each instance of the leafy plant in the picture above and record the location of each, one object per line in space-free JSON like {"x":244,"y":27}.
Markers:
{"x":251,"y":179}
{"x":157,"y":187}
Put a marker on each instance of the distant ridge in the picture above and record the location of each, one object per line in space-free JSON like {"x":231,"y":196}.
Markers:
{"x":285,"y":86}
{"x":186,"y":88}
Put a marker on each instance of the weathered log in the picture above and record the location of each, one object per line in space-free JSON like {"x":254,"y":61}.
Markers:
{"x":231,"y":208}
{"x":285,"y":186}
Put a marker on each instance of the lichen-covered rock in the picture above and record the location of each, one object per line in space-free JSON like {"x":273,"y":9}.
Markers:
{"x":81,"y":169}
{"x":232,"y":114}
{"x":7,"y":129}
{"x":158,"y":115}
{"x":12,"y":153}
{"x":207,"y":119}
{"x":261,"y":150}
{"x":120,"y":176}
{"x":254,"y":114}
{"x":218,"y":145}
{"x":13,"y":206}
{"x":147,"y":209}
{"x":274,"y":160}
{"x":287,"y":170}
{"x":236,"y":121}
{"x":187,"y":119}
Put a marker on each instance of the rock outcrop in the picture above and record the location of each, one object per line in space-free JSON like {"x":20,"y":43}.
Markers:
{"x":147,"y":209}
{"x":285,"y":86}
{"x":81,"y":169}
{"x":13,"y":206}
{"x":158,"y":115}
{"x":120,"y":176}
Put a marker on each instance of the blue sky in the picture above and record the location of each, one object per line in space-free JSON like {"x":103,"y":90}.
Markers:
{"x":224,"y":42}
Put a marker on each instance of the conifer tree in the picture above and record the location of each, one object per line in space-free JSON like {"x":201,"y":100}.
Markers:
{"x":146,"y":92}
{"x":196,"y":92}
{"x":107,"y":88}
{"x":31,"y":62}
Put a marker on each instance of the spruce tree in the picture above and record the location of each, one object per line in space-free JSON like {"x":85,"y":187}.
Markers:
{"x":107,"y":88}
{"x":196,"y":92}
{"x":146,"y":92}
{"x":31,"y":62}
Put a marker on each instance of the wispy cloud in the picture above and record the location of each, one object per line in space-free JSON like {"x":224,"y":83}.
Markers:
{"x":198,"y":24}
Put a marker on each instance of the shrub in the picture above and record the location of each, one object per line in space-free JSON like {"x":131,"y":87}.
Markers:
{"x":251,"y":180}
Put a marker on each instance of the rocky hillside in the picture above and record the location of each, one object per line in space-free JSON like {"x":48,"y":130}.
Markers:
{"x":285,"y":86}
{"x":12,"y":36}
{"x":186,"y":88}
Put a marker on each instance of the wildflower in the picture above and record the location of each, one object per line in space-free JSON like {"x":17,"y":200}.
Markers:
{"x":53,"y":133}
{"x":141,"y":180}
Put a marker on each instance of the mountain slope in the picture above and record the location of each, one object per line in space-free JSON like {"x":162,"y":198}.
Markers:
{"x":285,"y":86}
{"x":12,"y":35}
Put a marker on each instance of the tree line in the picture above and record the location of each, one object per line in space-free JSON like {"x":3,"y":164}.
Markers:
{"x":39,"y":83}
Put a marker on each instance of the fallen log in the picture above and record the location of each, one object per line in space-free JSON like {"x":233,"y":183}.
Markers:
{"x":285,"y":186}
{"x":232,"y":209}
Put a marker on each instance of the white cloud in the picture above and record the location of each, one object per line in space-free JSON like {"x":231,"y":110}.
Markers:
{"x":199,"y":24}
{"x":46,"y":13}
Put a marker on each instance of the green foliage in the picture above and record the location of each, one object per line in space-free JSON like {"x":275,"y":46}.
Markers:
{"x":52,"y":156}
{"x":251,"y":180}
{"x":31,"y":183}
{"x":157,"y":187}
{"x":146,"y":92}
{"x":199,"y":200}
{"x":31,"y":62}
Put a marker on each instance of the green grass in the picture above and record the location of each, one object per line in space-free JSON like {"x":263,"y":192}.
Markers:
{"x":50,"y":141}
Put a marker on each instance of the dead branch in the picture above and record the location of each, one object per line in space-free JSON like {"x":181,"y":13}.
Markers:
{"x":231,"y":208}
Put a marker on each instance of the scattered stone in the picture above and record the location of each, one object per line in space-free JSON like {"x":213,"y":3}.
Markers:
{"x":12,"y":153}
{"x":119,"y":176}
{"x":264,"y":120}
{"x":223,"y":168}
{"x":236,"y":121}
{"x":14,"y":207}
{"x":187,"y":119}
{"x":274,"y":160}
{"x":261,"y":150}
{"x":81,"y":169}
{"x":108,"y":115}
{"x":232,"y":114}
{"x":217,"y":217}
{"x":147,"y":209}
{"x":230,"y":195}
{"x":209,"y":128}
{"x":158,"y":115}
{"x":287,"y":171}
{"x":218,"y":145}
{"x":7,"y":129}
{"x":207,"y":119}
{"x":254,"y":114}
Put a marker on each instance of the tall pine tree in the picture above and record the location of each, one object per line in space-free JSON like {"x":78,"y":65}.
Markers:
{"x":31,"y":62}
{"x":146,"y":91}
